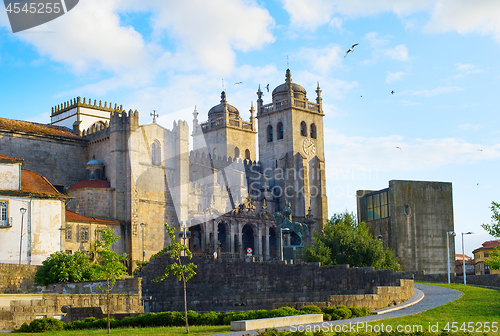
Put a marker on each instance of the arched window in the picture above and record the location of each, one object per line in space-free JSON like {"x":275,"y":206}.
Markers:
{"x":156,"y":153}
{"x":303,"y":129}
{"x":269,"y":133}
{"x":313,"y":131}
{"x":247,"y":154}
{"x":236,"y":152}
{"x":280,"y":131}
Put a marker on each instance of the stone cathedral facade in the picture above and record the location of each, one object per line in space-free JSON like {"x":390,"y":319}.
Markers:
{"x":146,"y":175}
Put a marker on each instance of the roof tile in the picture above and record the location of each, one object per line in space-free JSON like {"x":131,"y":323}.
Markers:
{"x":36,"y":128}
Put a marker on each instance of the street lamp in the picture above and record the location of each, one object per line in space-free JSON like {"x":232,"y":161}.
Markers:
{"x":143,"y":225}
{"x":23,"y":211}
{"x":281,"y":239}
{"x":448,"y":234}
{"x":463,"y":256}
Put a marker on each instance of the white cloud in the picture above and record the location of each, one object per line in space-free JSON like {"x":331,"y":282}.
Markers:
{"x":434,"y":92}
{"x":470,"y":127}
{"x":91,"y":37}
{"x":398,"y":53}
{"x":336,"y":24}
{"x":394,"y":76}
{"x":321,"y":60}
{"x":463,"y":16}
{"x":213,"y":30}
{"x":310,"y":14}
{"x":381,"y":154}
{"x":466,"y":69}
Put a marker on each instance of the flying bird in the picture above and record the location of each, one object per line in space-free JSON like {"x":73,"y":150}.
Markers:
{"x":399,"y":148}
{"x":238,"y":83}
{"x":392,"y":92}
{"x":267,"y":87}
{"x":350,"y":49}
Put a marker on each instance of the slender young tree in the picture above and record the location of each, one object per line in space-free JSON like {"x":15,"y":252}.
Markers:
{"x":494,"y":230}
{"x":109,"y":263}
{"x":182,"y":272}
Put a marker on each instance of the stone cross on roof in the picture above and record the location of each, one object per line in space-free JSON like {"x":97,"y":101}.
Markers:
{"x":154,"y":115}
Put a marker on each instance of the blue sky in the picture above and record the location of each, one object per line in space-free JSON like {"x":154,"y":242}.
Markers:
{"x":440,"y":57}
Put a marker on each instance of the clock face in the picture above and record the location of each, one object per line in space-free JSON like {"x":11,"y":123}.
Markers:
{"x":309,"y":147}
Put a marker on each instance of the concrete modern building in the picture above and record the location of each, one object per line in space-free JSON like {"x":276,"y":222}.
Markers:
{"x":143,"y":176}
{"x":412,"y":218}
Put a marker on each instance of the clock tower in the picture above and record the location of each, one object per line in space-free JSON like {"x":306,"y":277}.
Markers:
{"x":291,"y":150}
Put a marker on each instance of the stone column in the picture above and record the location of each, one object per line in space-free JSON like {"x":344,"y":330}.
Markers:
{"x":266,"y":243}
{"x":230,"y":239}
{"x":240,"y":244}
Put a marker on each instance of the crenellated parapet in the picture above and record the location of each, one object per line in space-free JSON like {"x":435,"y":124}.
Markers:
{"x":121,"y":121}
{"x":96,"y":132}
{"x":79,"y":102}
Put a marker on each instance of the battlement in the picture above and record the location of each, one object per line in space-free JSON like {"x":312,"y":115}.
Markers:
{"x":221,"y":123}
{"x":96,"y":132}
{"x":77,"y":102}
{"x":286,"y":104}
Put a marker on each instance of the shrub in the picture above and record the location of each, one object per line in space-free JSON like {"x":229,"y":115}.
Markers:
{"x":311,"y":310}
{"x":42,"y":325}
{"x":211,"y":318}
{"x":343,"y":312}
{"x":193,"y":317}
{"x":356,"y":311}
{"x":327,"y":317}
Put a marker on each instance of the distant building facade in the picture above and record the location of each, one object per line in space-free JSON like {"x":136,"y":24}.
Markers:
{"x":412,"y":218}
{"x":483,"y":253}
{"x":31,"y":215}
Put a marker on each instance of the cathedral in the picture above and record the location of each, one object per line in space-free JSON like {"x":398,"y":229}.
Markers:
{"x":220,"y":192}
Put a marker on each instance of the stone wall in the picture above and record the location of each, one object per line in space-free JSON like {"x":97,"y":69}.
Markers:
{"x":236,"y":285}
{"x":48,"y":156}
{"x":487,"y":280}
{"x":125,"y":298}
{"x":124,"y":286}
{"x":50,"y":305}
{"x":16,"y":279}
{"x":382,"y":297}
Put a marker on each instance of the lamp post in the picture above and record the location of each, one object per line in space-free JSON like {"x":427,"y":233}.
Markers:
{"x":448,"y":234}
{"x":281,"y":239}
{"x":143,"y":225}
{"x":23,"y":211}
{"x":463,"y":256}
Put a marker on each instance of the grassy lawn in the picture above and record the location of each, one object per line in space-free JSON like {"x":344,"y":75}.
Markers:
{"x":477,"y":305}
{"x":174,"y":331}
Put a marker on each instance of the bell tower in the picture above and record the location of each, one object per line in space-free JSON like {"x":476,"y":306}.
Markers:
{"x":291,"y":149}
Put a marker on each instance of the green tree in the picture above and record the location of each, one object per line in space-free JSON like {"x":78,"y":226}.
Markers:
{"x":344,"y":241}
{"x":65,"y":267}
{"x":182,"y":272}
{"x":109,"y":264}
{"x":494,"y":230}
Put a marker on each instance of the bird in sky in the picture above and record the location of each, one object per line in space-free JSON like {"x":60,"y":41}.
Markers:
{"x":479,"y":150}
{"x":350,"y":49}
{"x":238,"y":83}
{"x":399,"y":148}
{"x":267,"y":87}
{"x":392,"y":92}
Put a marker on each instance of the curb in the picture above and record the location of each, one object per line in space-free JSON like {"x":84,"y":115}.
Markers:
{"x":416,"y":298}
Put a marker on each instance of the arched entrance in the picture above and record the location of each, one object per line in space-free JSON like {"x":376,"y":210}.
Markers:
{"x":248,"y":240}
{"x":195,"y":244}
{"x":221,"y":234}
{"x":273,"y":247}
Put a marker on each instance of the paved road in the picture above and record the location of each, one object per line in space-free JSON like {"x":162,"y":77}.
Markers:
{"x":434,"y":296}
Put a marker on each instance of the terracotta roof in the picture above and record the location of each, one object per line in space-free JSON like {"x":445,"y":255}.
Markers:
{"x":459,"y":256}
{"x":4,"y":158}
{"x":90,"y":184}
{"x":75,"y":217}
{"x":35,"y":128}
{"x":36,"y":184}
{"x":488,"y":245}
